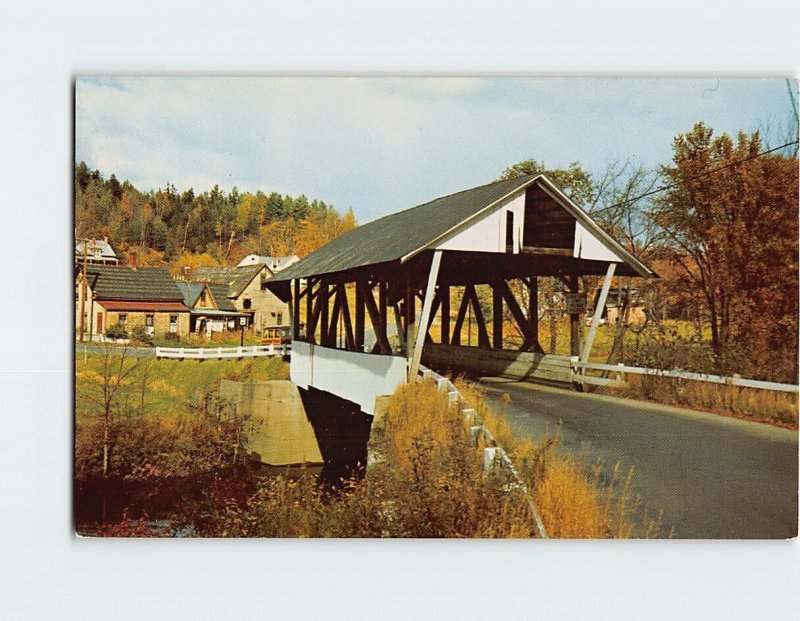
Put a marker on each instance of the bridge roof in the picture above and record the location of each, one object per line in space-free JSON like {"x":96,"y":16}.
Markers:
{"x":402,"y":235}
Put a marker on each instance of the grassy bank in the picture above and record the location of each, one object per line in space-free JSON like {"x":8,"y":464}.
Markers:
{"x":142,"y":418}
{"x":428,"y":481}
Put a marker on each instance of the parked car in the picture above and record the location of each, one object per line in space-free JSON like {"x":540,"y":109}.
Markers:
{"x":277,"y":335}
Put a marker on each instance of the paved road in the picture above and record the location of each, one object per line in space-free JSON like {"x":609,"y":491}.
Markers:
{"x":713,"y":476}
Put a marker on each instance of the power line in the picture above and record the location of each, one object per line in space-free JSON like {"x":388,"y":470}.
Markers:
{"x":699,"y":176}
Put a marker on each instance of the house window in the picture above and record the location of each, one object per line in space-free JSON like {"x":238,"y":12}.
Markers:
{"x":173,"y":324}
{"x":123,"y":319}
{"x":148,"y":323}
{"x":247,"y":303}
{"x":203,"y":296}
{"x":279,"y":319}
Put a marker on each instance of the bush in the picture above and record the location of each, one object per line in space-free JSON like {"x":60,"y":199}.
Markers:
{"x":172,"y":336}
{"x":117,"y":331}
{"x":140,"y":335}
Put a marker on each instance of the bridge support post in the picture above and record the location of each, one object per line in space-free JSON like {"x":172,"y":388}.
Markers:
{"x":294,"y":309}
{"x":533,"y":311}
{"x":444,"y":294}
{"x":419,"y":339}
{"x":410,"y":312}
{"x":497,"y":316}
{"x":323,"y":320}
{"x":309,"y":310}
{"x":574,"y":322}
{"x":598,"y":313}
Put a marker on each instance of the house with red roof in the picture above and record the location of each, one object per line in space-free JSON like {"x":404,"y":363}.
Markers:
{"x":131,"y":297}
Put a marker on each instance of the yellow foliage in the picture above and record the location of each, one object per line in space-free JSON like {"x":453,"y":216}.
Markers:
{"x":191,"y":260}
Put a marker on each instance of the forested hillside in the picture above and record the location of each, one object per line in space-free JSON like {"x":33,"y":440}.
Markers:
{"x":174,"y":228}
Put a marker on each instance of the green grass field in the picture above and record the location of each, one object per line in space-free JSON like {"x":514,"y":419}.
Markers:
{"x":168,"y":384}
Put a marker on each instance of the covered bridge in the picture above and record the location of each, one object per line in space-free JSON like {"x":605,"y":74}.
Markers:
{"x":423,"y":264}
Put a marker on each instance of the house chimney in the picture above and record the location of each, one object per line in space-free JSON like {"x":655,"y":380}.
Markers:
{"x":132,"y":260}
{"x":105,"y":238}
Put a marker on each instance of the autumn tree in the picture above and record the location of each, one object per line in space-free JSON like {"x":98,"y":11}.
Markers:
{"x":732,"y":219}
{"x":187,"y":262}
{"x":573,"y":180}
{"x":622,"y":208}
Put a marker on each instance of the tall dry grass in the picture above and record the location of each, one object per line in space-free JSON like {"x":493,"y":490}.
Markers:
{"x":777,"y":408}
{"x":573,"y":499}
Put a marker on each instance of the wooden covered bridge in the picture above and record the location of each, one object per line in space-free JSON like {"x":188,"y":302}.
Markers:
{"x":372,"y":305}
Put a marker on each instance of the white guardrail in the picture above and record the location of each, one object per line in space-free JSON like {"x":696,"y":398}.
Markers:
{"x":219,"y":353}
{"x":618,"y":370}
{"x":493,"y":455}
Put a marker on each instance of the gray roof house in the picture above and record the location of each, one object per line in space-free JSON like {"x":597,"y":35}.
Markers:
{"x":244,"y":289}
{"x":98,"y":252}
{"x":275,"y":264}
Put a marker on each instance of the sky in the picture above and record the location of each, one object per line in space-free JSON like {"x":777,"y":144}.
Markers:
{"x":380,"y":145}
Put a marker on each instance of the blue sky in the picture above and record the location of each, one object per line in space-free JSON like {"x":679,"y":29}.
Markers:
{"x":383,"y":144}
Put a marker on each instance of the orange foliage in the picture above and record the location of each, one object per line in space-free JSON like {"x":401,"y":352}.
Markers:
{"x":145,"y":256}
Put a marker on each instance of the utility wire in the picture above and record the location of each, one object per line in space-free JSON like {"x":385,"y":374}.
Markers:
{"x":699,"y":176}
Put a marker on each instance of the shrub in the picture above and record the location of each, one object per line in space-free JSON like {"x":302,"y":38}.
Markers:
{"x":140,"y":335}
{"x":116,"y":331}
{"x":172,"y":336}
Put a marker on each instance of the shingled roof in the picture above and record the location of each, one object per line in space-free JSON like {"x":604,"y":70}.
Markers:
{"x":401,"y":235}
{"x":111,"y":282}
{"x":191,"y":291}
{"x":236,"y":278}
{"x":220,"y":293}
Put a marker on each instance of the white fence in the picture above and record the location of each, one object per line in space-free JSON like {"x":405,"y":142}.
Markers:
{"x":617,"y":371}
{"x":219,"y":353}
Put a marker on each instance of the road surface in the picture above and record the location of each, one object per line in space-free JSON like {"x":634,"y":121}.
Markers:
{"x":712,"y":476}
{"x":99,"y":348}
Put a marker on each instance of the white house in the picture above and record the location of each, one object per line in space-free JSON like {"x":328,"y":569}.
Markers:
{"x":275,"y":264}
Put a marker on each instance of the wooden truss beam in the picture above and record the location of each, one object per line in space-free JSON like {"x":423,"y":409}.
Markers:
{"x":377,"y":314}
{"x":530,"y":338}
{"x":358,"y":344}
{"x":350,"y":341}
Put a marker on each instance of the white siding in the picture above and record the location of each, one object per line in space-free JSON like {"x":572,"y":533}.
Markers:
{"x":488,"y":233}
{"x":587,"y":246}
{"x":354,"y":376}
